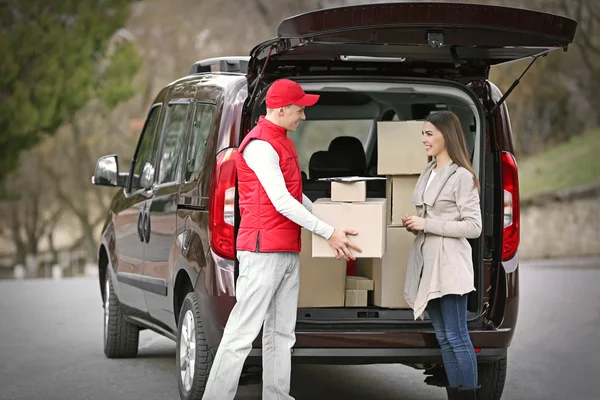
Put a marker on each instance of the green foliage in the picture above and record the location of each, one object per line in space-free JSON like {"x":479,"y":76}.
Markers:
{"x":572,"y":163}
{"x":56,"y":57}
{"x":116,"y":83}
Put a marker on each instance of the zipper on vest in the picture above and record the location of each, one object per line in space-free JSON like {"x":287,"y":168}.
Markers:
{"x":299,"y":170}
{"x":258,"y":242}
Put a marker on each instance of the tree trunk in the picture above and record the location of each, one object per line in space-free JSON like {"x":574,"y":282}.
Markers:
{"x":54,"y":259}
{"x":90,"y":240}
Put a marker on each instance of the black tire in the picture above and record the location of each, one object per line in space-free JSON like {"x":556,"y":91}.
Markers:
{"x":492,"y":377}
{"x":203,"y":355}
{"x":120,"y":336}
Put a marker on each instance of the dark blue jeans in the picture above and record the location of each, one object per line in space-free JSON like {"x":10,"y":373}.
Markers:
{"x":448,"y":315}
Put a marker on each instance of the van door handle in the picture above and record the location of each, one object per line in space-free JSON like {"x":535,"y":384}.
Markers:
{"x":140,"y":225}
{"x":146,"y":229}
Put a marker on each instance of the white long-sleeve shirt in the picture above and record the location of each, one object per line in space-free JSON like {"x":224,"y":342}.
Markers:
{"x":262,"y":158}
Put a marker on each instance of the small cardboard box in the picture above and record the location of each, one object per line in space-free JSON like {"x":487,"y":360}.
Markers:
{"x":322,"y":280}
{"x":367,"y":218}
{"x":389,"y":273}
{"x":348,"y":191}
{"x":400,"y":190}
{"x":358,"y":283}
{"x":356,"y":298}
{"x":399,"y":148}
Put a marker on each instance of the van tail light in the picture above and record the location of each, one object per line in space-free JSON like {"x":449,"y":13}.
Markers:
{"x":221,"y":206}
{"x":510,"y":186}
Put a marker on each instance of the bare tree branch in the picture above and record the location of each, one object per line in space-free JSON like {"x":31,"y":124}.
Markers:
{"x":264,"y":12}
{"x":584,"y":45}
{"x":594,"y":14}
{"x":50,"y":223}
{"x":587,"y":44}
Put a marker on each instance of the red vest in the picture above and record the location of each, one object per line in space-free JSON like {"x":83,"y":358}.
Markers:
{"x":262,"y":228}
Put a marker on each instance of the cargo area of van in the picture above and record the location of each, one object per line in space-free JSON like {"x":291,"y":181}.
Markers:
{"x":371,"y":128}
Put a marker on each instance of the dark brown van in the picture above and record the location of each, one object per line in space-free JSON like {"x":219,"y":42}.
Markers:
{"x":166,"y":255}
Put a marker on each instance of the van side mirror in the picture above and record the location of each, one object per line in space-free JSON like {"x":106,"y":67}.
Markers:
{"x":107,"y":172}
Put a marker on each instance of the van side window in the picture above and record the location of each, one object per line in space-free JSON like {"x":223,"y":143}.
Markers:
{"x":172,"y":147}
{"x":198,"y":140}
{"x":146,"y":148}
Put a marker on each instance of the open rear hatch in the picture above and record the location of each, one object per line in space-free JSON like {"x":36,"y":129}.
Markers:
{"x":429,"y":40}
{"x":456,"y":40}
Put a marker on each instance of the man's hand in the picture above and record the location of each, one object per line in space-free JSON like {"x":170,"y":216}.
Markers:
{"x":340,"y":243}
{"x":413,"y":223}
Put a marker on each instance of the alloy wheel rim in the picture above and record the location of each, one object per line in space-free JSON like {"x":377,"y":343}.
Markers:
{"x":187,"y":350}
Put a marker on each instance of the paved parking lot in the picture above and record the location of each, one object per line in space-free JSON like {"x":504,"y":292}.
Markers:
{"x":51,"y":348}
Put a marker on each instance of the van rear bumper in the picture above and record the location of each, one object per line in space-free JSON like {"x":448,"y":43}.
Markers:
{"x":363,"y":356}
{"x":385,"y":347}
{"x":385,"y":339}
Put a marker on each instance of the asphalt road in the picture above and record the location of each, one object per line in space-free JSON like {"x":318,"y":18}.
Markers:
{"x":51,"y":348}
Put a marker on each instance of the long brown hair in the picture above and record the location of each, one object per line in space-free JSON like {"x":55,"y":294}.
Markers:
{"x":448,"y":123}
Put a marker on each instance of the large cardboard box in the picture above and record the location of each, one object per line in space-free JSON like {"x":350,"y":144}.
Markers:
{"x":322,"y":280}
{"x":359,"y":283}
{"x":367,"y":218}
{"x":348,"y":191}
{"x":400,"y":189}
{"x":356,"y":298}
{"x":399,"y":148}
{"x":389,"y":273}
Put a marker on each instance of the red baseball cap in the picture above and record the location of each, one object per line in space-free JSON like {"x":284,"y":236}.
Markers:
{"x":284,"y":92}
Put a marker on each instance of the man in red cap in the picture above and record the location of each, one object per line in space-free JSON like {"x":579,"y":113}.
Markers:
{"x":272,"y":209}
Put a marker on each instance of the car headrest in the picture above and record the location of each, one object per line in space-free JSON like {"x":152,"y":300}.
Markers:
{"x":348,"y":155}
{"x":318,"y":165}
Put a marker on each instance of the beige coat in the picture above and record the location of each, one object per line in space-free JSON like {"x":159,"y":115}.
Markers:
{"x":440,"y":260}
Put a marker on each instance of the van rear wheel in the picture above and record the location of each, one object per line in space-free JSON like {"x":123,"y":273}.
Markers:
{"x":194,"y":358}
{"x":492,"y":376}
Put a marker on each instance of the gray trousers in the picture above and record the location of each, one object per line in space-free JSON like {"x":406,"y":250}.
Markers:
{"x":267,"y":297}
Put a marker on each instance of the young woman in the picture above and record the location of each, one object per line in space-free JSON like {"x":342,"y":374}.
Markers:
{"x":440,"y":265}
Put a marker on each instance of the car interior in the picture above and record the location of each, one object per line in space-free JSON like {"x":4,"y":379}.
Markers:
{"x":339,"y":138}
{"x":352,"y":149}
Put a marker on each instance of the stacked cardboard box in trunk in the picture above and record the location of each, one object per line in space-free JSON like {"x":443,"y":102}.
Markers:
{"x":402,"y":158}
{"x":322,"y":281}
{"x":385,"y":244}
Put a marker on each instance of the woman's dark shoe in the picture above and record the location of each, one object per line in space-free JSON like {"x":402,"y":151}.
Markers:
{"x":467,"y":394}
{"x":436,"y":376}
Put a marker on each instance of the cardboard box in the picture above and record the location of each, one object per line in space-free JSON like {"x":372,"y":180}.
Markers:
{"x":356,"y":298}
{"x":389,"y":273}
{"x":322,"y":280}
{"x":358,"y":283}
{"x":399,"y":148}
{"x":401,"y":188}
{"x":348,"y":191}
{"x":367,"y":218}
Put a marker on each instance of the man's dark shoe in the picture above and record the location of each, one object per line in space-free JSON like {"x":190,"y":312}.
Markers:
{"x":452,"y":393}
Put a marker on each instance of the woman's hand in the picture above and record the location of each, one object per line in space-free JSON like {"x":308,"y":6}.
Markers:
{"x":413,"y":223}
